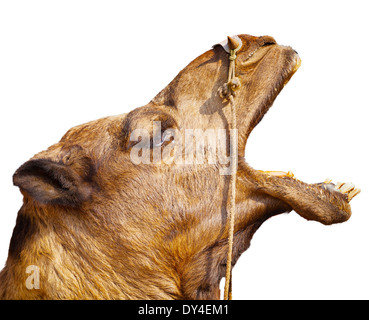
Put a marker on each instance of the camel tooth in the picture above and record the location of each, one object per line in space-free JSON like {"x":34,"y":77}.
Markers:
{"x":339,"y":185}
{"x":347,"y":187}
{"x":290,"y":174}
{"x":353,"y":193}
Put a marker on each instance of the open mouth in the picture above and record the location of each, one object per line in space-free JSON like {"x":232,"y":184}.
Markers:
{"x":330,"y":192}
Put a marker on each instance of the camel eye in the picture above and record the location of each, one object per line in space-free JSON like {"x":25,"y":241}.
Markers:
{"x":166,"y":138}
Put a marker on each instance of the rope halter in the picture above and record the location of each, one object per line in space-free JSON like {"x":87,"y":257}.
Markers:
{"x":228,"y":91}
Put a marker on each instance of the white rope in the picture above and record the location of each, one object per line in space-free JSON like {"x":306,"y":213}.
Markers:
{"x":227,"y":91}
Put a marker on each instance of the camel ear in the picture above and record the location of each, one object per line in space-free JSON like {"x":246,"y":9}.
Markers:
{"x":52,"y":183}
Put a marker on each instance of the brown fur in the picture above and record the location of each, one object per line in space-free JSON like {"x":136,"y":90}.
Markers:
{"x":100,"y":227}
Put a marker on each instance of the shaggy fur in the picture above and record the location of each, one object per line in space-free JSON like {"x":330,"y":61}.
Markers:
{"x":100,"y":227}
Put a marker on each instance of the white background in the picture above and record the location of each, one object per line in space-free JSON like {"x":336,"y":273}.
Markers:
{"x":63,"y":63}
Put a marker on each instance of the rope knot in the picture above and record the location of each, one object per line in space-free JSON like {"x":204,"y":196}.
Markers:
{"x":229,"y":89}
{"x":234,"y":84}
{"x":232,"y":57}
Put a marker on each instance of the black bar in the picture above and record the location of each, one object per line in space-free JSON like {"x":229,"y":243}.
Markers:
{"x":146,"y":310}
